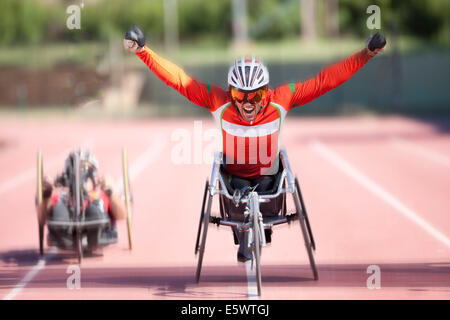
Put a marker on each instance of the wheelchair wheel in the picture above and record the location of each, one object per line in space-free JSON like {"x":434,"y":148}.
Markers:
{"x":283,"y":202}
{"x":77,"y":197}
{"x":39,"y":198}
{"x":257,"y":250}
{"x":202,"y":214}
{"x":303,"y":225}
{"x":79,"y":244}
{"x":308,"y":226}
{"x":201,"y":250}
{"x":127,"y":193}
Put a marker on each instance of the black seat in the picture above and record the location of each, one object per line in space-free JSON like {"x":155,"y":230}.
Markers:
{"x":268,"y":209}
{"x":273,"y":190}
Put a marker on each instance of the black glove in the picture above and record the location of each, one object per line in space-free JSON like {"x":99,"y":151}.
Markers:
{"x":136,"y":34}
{"x":376,"y":41}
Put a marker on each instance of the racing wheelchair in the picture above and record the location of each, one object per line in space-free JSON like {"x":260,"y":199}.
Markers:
{"x":78,"y":228}
{"x":261,"y":213}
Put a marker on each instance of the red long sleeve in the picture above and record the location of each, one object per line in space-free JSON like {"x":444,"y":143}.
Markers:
{"x":175,"y":77}
{"x":326,"y":80}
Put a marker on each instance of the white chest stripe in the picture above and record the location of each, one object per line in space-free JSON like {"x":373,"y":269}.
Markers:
{"x":216,"y":114}
{"x":251,"y":131}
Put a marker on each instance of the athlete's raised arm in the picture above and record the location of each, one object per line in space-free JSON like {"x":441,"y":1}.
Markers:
{"x":334,"y":75}
{"x":196,"y":92}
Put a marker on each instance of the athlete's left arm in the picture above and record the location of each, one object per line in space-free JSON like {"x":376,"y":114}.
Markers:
{"x":328,"y":79}
{"x":336,"y":74}
{"x":118,"y":208}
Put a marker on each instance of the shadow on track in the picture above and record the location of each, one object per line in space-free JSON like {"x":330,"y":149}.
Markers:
{"x":30,"y":257}
{"x":440,"y":123}
{"x":178,"y":282}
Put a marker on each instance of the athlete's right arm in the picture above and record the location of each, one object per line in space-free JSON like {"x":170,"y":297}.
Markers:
{"x":175,"y":77}
{"x":196,"y":92}
{"x":47,"y":197}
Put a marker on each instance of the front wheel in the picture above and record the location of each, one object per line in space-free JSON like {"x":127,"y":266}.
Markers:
{"x":305,"y":214}
{"x":257,"y":250}
{"x":201,"y":250}
{"x":41,"y":239}
{"x":39,"y":198}
{"x":306,"y":235}
{"x":127,"y":193}
{"x":202,"y":214}
{"x":78,"y":214}
{"x":79,"y":244}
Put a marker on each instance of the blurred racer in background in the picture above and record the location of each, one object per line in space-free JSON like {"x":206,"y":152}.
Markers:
{"x":101,"y":202}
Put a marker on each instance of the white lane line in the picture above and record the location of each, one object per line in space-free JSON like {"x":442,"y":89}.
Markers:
{"x":31,"y":274}
{"x":347,"y":168}
{"x":18,"y":180}
{"x":252,"y":288}
{"x":421,"y":151}
{"x":31,"y":173}
{"x":136,"y":168}
{"x":147,"y":157}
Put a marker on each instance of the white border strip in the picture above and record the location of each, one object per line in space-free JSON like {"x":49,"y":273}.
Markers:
{"x":347,"y":168}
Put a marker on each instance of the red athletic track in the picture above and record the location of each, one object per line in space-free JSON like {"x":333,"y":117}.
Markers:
{"x":353,"y":226}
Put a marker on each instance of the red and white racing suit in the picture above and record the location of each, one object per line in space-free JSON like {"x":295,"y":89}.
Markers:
{"x":251,"y":148}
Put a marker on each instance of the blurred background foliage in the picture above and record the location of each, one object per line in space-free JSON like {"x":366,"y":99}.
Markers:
{"x":42,"y":62}
{"x":34,"y":21}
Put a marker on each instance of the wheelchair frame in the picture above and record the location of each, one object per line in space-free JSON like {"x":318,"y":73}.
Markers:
{"x":256,"y":223}
{"x":79,"y":224}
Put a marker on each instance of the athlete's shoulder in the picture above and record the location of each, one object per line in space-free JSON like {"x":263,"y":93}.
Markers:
{"x":219,"y":97}
{"x":281,"y":96}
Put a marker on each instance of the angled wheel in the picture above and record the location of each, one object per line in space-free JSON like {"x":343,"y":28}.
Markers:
{"x":39,"y":198}
{"x":201,"y":251}
{"x":307,"y":237}
{"x":202,"y":214}
{"x":77,"y":197}
{"x":257,"y":250}
{"x":305,"y":214}
{"x":127,"y":193}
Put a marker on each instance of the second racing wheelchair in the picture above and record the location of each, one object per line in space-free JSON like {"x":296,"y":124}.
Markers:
{"x":76,"y":216}
{"x":261,"y":212}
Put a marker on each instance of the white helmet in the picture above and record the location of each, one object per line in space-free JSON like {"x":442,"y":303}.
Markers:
{"x":87,"y":156}
{"x":248,"y":74}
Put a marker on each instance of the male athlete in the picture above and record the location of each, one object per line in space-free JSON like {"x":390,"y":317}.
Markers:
{"x":249,"y":113}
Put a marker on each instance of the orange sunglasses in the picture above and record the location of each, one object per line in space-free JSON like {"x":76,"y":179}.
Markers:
{"x":250,"y":96}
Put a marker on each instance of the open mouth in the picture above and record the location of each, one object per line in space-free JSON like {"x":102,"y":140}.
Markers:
{"x":248,"y":111}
